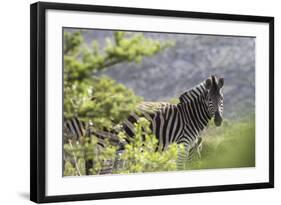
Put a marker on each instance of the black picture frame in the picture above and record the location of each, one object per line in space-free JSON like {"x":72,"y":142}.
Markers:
{"x":38,"y":101}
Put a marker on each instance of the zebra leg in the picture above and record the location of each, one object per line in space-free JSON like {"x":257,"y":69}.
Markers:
{"x":183,"y":156}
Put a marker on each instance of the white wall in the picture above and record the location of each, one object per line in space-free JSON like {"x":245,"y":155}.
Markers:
{"x":14,"y":100}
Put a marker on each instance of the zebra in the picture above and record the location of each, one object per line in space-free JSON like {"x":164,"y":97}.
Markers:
{"x":182,"y":123}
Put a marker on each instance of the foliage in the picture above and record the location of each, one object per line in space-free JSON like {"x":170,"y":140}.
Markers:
{"x":87,"y":151}
{"x":140,"y":154}
{"x":81,"y":61}
{"x":110,"y":101}
{"x":230,"y":146}
{"x":100,"y":99}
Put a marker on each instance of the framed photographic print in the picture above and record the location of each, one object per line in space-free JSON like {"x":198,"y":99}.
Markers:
{"x":129,"y":102}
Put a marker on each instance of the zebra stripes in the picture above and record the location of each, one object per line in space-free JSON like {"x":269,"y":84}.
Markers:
{"x":74,"y":129}
{"x":182,"y":123}
{"x":179,"y":123}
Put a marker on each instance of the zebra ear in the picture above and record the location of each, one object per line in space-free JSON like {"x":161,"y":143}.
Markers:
{"x":208,"y":84}
{"x":221,"y":82}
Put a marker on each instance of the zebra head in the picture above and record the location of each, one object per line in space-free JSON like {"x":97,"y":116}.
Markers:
{"x":214,"y":98}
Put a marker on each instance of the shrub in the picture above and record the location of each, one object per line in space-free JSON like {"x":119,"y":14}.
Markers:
{"x":100,"y":99}
{"x":140,"y":154}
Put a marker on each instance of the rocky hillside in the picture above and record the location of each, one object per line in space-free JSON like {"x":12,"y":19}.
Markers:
{"x":189,"y":62}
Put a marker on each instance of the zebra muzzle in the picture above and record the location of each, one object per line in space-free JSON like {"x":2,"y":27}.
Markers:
{"x":218,"y":119}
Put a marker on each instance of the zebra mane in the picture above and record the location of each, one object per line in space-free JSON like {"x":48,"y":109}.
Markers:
{"x":198,"y":91}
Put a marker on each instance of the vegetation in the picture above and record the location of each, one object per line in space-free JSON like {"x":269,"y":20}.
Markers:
{"x":89,"y":150}
{"x":140,"y":156}
{"x":102,"y":100}
{"x":105,"y":103}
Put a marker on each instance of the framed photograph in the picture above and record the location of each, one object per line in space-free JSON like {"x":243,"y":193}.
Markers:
{"x":129,"y":102}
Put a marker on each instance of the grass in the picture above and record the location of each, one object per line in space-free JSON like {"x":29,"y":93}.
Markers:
{"x":229,"y":146}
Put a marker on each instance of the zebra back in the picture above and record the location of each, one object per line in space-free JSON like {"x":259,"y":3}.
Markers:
{"x":74,"y":129}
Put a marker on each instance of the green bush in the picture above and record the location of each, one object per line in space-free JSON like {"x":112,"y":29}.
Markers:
{"x":79,"y":153}
{"x":140,"y":154}
{"x":230,"y":146}
{"x":103,"y":101}
{"x":100,"y":99}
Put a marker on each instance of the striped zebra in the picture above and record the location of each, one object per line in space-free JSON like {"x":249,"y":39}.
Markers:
{"x":182,"y":123}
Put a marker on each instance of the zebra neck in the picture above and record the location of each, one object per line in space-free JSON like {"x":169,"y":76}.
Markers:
{"x":198,"y":91}
{"x":194,"y":108}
